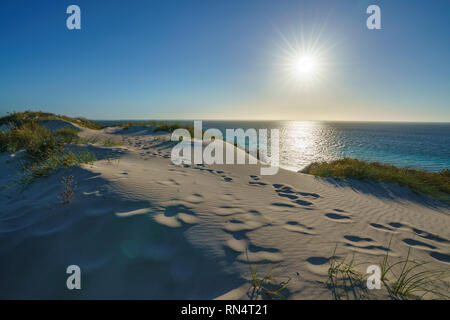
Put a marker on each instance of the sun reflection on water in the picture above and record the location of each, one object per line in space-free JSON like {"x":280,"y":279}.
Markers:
{"x":307,"y":140}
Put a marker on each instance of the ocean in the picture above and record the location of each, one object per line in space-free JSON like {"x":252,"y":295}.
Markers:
{"x":416,"y":145}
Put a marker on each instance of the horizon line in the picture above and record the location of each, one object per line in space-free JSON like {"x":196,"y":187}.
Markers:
{"x":265,"y":120}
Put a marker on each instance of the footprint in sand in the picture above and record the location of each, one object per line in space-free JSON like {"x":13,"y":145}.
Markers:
{"x":357,"y":239}
{"x":288,"y":192}
{"x":380,"y":227}
{"x":441,"y":257}
{"x":317,"y":261}
{"x":295,"y":226}
{"x":194,"y":198}
{"x":240,"y":248}
{"x":221,"y":173}
{"x":289,"y":196}
{"x":175,"y":216}
{"x":396,"y":225}
{"x":337,"y":217}
{"x":228,"y":210}
{"x":429,"y":236}
{"x":318,"y":265}
{"x":288,"y":189}
{"x":239,"y":225}
{"x":278,"y":205}
{"x":169,"y":183}
{"x":370,"y":249}
{"x":303,"y":202}
{"x":365,"y":245}
{"x":228,"y":197}
{"x":256,"y":181}
{"x":418,"y":244}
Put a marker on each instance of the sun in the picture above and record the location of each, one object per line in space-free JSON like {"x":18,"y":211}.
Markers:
{"x":304,"y":66}
{"x":304,"y":63}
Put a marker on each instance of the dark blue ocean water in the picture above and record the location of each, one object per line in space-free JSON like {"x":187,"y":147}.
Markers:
{"x":416,"y":145}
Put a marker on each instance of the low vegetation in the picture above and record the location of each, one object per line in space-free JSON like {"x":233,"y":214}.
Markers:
{"x":158,"y":126}
{"x":344,"y":280}
{"x":68,"y":135}
{"x":69,"y":186}
{"x":19,"y":118}
{"x":112,"y":142}
{"x":44,"y":151}
{"x":409,"y":279}
{"x":15,"y":119}
{"x":263,"y":287}
{"x":171,"y":127}
{"x":31,"y":170}
{"x":404,"y":279}
{"x":436,"y":184}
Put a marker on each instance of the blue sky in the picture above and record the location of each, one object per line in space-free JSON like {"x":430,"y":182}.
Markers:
{"x":217,"y":59}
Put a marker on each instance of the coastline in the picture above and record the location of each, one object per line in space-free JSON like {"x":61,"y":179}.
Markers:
{"x":194,"y":231}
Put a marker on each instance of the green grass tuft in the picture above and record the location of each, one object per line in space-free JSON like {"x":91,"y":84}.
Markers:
{"x":264,"y":287}
{"x":31,"y":170}
{"x":408,"y":279}
{"x":111,"y":142}
{"x":67,"y":135}
{"x":344,"y":280}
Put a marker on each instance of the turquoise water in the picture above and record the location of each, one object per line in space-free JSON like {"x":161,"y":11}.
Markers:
{"x":417,"y":145}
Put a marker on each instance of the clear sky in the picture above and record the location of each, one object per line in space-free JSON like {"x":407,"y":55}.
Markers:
{"x":226,"y":59}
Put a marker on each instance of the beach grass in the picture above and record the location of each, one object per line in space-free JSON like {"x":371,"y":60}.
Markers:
{"x":44,"y":151}
{"x":404,"y":279}
{"x":436,"y":184}
{"x":409,"y":279}
{"x":18,"y":118}
{"x":69,"y":185}
{"x":109,"y":142}
{"x":37,"y":141}
{"x":344,"y":280}
{"x":263,"y":286}
{"x":67,"y":135}
{"x":32,"y":170}
{"x":157,"y":126}
{"x":15,"y":119}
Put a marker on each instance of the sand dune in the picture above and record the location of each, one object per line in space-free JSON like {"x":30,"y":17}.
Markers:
{"x":142,"y":227}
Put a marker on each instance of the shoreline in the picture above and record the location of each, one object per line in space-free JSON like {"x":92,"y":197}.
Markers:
{"x":170,"y":231}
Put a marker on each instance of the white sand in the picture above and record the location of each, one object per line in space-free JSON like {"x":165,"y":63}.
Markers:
{"x":141,"y":227}
{"x":55,"y":124}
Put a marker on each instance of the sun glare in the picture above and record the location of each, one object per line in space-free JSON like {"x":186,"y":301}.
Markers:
{"x":304,"y":66}
{"x":304,"y":63}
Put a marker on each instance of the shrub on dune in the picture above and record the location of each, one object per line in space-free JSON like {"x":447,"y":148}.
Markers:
{"x":38,"y":142}
{"x":19,"y":118}
{"x":44,"y":151}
